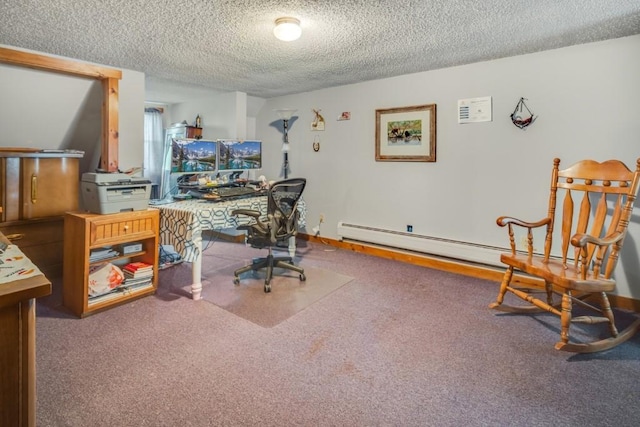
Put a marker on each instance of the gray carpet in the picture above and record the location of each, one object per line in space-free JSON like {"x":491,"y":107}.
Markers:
{"x":399,"y":345}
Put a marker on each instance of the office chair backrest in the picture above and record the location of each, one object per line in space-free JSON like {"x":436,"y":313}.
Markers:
{"x":283,"y":205}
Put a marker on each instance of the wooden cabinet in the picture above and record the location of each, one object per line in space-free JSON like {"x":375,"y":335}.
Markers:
{"x":36,"y":189}
{"x":18,"y":348}
{"x":88,"y":232}
{"x":38,"y":185}
{"x":194,"y":132}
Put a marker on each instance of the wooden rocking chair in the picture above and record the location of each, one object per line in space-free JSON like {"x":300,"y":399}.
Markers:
{"x":591,"y":236}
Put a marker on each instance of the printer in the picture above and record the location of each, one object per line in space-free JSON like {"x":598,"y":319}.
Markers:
{"x":106,"y":193}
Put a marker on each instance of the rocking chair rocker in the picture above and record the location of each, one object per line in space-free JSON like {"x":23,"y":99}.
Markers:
{"x":604,"y":195}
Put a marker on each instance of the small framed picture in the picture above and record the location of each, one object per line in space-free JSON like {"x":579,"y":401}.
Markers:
{"x":406,"y":134}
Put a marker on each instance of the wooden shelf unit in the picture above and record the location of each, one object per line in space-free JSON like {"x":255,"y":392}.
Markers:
{"x":86,"y":232}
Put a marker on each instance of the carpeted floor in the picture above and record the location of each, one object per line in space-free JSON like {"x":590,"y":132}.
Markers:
{"x":248,"y":300}
{"x":399,"y":345}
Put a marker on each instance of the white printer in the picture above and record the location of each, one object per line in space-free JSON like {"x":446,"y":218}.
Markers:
{"x":106,"y":193}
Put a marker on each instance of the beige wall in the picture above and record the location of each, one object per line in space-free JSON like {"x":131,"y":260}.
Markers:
{"x":585,"y":98}
{"x":41,"y":109}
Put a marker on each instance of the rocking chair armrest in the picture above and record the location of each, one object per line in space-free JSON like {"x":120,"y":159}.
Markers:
{"x":581,"y":240}
{"x":505,"y":220}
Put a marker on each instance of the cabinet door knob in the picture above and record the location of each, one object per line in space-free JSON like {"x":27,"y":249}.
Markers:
{"x":126,"y":228}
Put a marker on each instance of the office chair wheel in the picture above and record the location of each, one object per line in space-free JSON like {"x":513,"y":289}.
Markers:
{"x":303,"y":277}
{"x":236,"y":281}
{"x":267,"y":288}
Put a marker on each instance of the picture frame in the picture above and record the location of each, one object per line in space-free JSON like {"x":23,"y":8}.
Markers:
{"x":406,"y":134}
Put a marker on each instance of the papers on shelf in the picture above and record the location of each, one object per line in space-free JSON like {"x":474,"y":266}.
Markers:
{"x":108,"y":281}
{"x":102,"y":254}
{"x":104,"y":278}
{"x":120,"y":291}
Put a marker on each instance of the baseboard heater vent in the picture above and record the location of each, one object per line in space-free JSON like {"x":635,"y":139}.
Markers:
{"x":465,"y":251}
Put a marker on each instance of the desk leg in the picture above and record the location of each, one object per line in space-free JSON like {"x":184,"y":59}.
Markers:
{"x":196,"y":274}
{"x":292,"y":246}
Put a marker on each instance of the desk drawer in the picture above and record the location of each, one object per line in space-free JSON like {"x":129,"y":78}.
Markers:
{"x":31,"y":233}
{"x":133,"y":225}
{"x":40,"y":240}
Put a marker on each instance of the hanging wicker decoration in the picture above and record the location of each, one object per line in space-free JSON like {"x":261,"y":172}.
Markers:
{"x":522,"y":119}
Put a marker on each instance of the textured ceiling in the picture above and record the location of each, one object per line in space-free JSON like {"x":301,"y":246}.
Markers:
{"x":221,"y":45}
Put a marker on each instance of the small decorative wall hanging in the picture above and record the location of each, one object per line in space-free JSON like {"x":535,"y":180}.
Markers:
{"x":346,"y":115}
{"x":521,"y":118}
{"x":318,"y":121}
{"x":316,"y":144}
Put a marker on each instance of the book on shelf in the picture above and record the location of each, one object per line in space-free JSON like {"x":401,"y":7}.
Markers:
{"x":138,"y":275}
{"x":134,"y":283}
{"x":138,"y":266}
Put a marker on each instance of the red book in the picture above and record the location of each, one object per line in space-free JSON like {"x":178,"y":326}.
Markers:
{"x":138,"y":266}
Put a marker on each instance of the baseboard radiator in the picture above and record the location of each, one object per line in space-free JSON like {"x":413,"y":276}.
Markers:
{"x":458,"y":250}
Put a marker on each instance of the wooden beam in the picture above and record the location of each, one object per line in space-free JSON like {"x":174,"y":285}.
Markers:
{"x":109,"y":78}
{"x":110,"y":134}
{"x":59,"y":65}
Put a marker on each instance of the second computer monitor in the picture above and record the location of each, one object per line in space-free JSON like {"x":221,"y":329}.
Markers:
{"x":193,"y":156}
{"x":239,"y":155}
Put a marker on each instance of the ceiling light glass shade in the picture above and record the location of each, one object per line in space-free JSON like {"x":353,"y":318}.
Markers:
{"x":287,"y":29}
{"x":286,"y":113}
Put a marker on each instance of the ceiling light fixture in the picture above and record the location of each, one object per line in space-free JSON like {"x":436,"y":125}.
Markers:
{"x":287,"y":29}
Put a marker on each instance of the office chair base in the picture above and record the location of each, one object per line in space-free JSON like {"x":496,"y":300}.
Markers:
{"x":270,"y":262}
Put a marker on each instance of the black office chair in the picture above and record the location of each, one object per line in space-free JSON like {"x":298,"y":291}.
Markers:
{"x":280,"y":224}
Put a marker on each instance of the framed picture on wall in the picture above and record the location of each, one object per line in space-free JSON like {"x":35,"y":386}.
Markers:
{"x":406,"y":134}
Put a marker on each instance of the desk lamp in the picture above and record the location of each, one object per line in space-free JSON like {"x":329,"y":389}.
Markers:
{"x":285,"y":115}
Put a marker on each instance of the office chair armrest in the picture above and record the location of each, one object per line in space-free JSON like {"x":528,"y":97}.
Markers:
{"x":247,"y":212}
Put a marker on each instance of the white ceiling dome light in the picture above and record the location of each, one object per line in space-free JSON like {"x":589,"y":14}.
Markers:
{"x":287,"y":29}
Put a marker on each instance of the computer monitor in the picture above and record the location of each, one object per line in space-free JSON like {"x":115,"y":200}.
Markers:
{"x":239,"y":155}
{"x":193,"y":156}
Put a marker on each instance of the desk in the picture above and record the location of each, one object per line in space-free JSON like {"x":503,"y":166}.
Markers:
{"x":18,"y":347}
{"x":182,"y":224}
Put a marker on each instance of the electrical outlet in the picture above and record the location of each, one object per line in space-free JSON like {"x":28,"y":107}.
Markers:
{"x":321,"y":218}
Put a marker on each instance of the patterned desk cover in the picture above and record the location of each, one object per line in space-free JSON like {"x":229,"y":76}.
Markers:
{"x":182,"y":223}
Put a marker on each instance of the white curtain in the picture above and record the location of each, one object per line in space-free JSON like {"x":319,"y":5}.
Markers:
{"x":154,"y":150}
